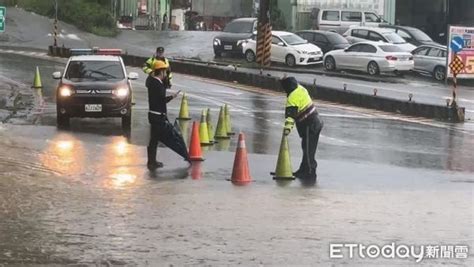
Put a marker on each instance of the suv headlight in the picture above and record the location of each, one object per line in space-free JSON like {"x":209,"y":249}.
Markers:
{"x":65,"y":91}
{"x":241,"y":42}
{"x":217,"y":42}
{"x":121,"y":92}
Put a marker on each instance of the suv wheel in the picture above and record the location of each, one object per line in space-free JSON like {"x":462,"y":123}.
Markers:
{"x":439,"y":73}
{"x":330,"y":63}
{"x":249,"y":56}
{"x":62,"y":121}
{"x":373,"y":68}
{"x":290,"y":61}
{"x":127,"y":121}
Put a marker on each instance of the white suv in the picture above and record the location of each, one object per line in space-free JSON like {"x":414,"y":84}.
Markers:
{"x":362,"y":34}
{"x":287,"y":48}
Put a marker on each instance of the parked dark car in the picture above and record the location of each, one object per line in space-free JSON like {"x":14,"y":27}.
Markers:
{"x":234,"y":35}
{"x":327,"y":41}
{"x":412,"y":35}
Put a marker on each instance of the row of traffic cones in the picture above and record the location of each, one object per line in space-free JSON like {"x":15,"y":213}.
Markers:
{"x":241,"y":170}
{"x":203,"y":135}
{"x":224,"y":124}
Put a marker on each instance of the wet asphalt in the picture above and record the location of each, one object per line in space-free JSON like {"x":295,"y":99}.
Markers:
{"x":84,"y":196}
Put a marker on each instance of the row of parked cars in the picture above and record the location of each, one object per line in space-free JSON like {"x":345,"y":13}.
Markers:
{"x":375,"y":49}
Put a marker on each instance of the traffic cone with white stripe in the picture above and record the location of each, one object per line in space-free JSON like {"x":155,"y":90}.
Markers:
{"x":240,"y":171}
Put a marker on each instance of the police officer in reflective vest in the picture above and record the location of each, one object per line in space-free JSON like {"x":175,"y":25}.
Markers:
{"x":159,"y":56}
{"x":161,"y":129}
{"x":301,"y":111}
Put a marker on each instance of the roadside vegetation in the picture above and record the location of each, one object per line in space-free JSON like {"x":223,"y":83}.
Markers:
{"x":93,"y":16}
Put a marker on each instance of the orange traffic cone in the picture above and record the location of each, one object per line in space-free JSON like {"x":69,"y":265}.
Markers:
{"x":240,"y":172}
{"x":195,"y":152}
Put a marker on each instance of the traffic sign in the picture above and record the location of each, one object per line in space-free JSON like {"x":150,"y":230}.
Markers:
{"x":456,"y":65}
{"x":3,"y":13}
{"x":457,"y":44}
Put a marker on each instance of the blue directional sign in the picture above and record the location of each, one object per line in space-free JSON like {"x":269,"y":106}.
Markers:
{"x":457,"y":44}
{"x":3,"y":13}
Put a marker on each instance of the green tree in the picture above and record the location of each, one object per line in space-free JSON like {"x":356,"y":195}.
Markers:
{"x":89,"y":15}
{"x":277,"y":17}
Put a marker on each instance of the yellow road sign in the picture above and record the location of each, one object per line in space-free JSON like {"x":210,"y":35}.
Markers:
{"x":456,"y":65}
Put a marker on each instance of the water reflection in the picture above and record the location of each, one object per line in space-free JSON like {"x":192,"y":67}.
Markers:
{"x":64,"y":154}
{"x":222,"y":145}
{"x":260,"y":142}
{"x":196,"y":170}
{"x":121,"y":164}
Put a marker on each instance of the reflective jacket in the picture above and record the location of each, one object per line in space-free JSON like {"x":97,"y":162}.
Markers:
{"x":299,"y":106}
{"x":148,"y":68}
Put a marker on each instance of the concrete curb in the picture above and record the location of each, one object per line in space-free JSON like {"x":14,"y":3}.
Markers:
{"x":410,"y":108}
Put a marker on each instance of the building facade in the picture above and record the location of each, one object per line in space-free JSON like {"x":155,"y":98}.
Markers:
{"x":432,"y":16}
{"x":157,"y":11}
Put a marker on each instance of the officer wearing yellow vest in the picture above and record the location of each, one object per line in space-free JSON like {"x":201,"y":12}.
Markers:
{"x":159,"y":56}
{"x":301,"y":111}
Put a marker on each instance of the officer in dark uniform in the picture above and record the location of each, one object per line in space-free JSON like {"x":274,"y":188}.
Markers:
{"x":301,"y":110}
{"x":159,"y":56}
{"x":161,"y":129}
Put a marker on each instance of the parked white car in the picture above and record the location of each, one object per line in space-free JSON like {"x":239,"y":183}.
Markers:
{"x":373,"y":57}
{"x":287,"y":48}
{"x":362,"y":34}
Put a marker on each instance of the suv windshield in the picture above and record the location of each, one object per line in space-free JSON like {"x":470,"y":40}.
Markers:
{"x":394,"y":38}
{"x":293,"y":39}
{"x":239,"y":27}
{"x":94,"y":70}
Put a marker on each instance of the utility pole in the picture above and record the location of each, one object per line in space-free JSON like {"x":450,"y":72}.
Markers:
{"x":264,"y":34}
{"x":55,"y":43}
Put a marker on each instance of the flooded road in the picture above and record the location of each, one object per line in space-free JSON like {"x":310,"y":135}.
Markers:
{"x":84,"y":196}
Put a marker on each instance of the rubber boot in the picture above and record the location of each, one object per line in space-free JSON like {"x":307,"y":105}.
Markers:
{"x":152,"y":164}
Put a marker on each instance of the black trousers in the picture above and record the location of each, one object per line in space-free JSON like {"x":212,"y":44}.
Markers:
{"x":309,"y":131}
{"x":157,"y":133}
{"x":161,"y":130}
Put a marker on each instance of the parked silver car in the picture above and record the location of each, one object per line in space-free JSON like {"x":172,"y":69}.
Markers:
{"x":374,"y":57}
{"x":358,"y":34}
{"x":431,"y":59}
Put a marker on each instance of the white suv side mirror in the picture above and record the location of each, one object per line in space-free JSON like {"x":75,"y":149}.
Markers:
{"x":57,"y":75}
{"x":133,"y":76}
